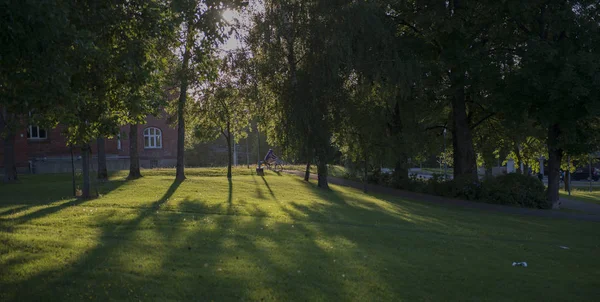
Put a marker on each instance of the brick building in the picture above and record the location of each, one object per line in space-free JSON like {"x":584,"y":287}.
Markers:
{"x":46,"y":151}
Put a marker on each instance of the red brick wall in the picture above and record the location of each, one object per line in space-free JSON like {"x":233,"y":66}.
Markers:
{"x":21,"y":148}
{"x":55,"y":145}
{"x":169,"y":139}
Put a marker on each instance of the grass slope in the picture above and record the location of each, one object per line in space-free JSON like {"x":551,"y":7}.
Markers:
{"x":582,"y":193}
{"x":277,"y":238}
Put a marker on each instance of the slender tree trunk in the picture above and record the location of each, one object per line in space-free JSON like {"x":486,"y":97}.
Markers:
{"x":102,"y":170}
{"x":307,"y":172}
{"x":73,"y":173}
{"x":180,"y":173}
{"x":519,"y":159}
{"x":465,"y":162}
{"x":366,"y":163}
{"x":322,"y":174}
{"x":229,"y":152}
{"x":308,"y":161}
{"x":134,"y":156}
{"x":85,"y":163}
{"x":554,"y":160}
{"x":10,"y":167}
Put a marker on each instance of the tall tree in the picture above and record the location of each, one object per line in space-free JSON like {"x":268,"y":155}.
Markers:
{"x":34,"y":72}
{"x":110,"y":60}
{"x":556,"y":77}
{"x":223,"y":108}
{"x":457,"y":48}
{"x":202,"y":29}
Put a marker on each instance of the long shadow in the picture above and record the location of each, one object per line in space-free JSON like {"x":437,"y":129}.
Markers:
{"x":49,"y":210}
{"x":112,"y":236}
{"x":14,"y":210}
{"x":269,"y":187}
{"x":165,"y":198}
{"x":259,"y":193}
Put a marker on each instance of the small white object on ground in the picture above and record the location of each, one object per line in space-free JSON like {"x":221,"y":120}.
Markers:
{"x":524,"y":264}
{"x":564,"y":247}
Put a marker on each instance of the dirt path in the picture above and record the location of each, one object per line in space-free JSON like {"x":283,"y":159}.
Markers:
{"x":589,"y":212}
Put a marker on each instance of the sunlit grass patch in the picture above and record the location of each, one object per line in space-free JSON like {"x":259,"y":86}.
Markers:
{"x":276,"y":238}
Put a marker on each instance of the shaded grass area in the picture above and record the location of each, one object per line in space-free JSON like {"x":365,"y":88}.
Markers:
{"x":583,"y":193}
{"x":333,"y":170}
{"x":277,"y":238}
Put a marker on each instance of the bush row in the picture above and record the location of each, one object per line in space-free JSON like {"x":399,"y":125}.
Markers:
{"x":510,"y":189}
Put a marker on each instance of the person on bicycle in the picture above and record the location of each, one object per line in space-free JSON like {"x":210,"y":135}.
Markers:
{"x":270,"y":158}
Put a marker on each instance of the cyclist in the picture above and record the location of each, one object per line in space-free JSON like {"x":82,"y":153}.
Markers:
{"x":270,"y":158}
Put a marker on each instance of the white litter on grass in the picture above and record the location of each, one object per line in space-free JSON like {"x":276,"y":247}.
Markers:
{"x":564,"y":247}
{"x":523,"y":264}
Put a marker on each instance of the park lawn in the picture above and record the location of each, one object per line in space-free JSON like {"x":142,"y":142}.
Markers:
{"x":277,"y":238}
{"x":583,"y":194}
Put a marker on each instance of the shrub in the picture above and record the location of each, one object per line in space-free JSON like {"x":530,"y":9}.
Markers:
{"x":515,"y":189}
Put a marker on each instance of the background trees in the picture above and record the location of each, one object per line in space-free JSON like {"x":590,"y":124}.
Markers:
{"x":375,"y":81}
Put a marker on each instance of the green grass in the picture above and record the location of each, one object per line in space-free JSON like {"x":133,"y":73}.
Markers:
{"x":332,"y":170}
{"x":583,"y":194}
{"x":277,"y":239}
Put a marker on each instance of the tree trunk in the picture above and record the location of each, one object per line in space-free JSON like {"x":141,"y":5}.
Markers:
{"x":322,"y":174}
{"x":85,"y":163}
{"x":180,"y":173}
{"x":519,"y":159}
{"x":307,"y":172}
{"x":567,"y":181}
{"x":229,"y":153}
{"x":134,"y":156}
{"x":10,"y":167}
{"x":366,"y":163}
{"x":465,"y":162}
{"x":102,"y":170}
{"x":401,"y":172}
{"x":554,"y":160}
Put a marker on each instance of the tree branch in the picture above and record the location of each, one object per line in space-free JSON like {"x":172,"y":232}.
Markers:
{"x":483,"y":120}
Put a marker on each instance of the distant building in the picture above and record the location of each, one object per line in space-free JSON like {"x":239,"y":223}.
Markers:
{"x":39,"y":150}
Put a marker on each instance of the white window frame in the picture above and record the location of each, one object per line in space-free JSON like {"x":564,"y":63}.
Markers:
{"x":38,"y":137}
{"x":153,"y":138}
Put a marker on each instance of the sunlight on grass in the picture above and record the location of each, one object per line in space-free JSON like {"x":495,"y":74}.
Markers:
{"x":583,"y":194}
{"x":276,"y":238}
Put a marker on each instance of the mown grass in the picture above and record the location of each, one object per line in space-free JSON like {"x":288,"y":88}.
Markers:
{"x":332,"y":170}
{"x":277,"y":238}
{"x":582,"y":193}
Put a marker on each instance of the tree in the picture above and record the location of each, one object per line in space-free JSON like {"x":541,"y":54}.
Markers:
{"x":454,"y":40}
{"x":111,"y":60}
{"x":34,"y":72}
{"x":223,"y":107}
{"x":555,"y":78}
{"x":202,"y":28}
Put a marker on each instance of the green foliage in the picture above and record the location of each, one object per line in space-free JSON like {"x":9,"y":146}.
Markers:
{"x":511,"y":189}
{"x":516,"y":190}
{"x":223,"y":108}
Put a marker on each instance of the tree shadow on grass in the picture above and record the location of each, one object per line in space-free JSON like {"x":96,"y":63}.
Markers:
{"x":53,"y":203}
{"x":259,"y":193}
{"x":114,"y":235}
{"x":269,"y":188}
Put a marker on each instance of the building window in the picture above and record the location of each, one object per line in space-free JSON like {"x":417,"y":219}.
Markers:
{"x":35,"y":132}
{"x":152,"y":138}
{"x":119,"y":142}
